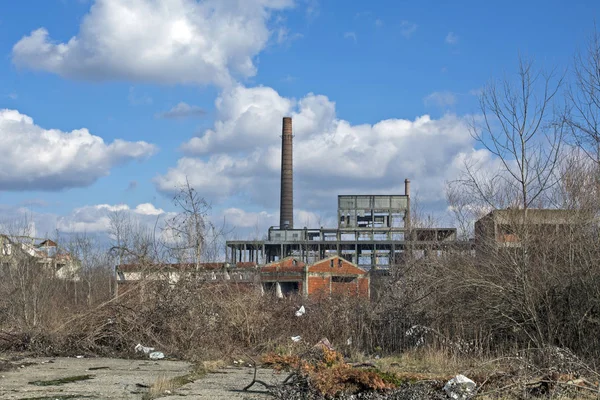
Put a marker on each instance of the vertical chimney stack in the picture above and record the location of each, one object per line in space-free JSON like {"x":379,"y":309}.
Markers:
{"x":407,"y":187}
{"x":286,"y":211}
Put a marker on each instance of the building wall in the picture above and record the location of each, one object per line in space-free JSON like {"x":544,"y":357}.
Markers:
{"x":337,"y":276}
{"x":319,"y":285}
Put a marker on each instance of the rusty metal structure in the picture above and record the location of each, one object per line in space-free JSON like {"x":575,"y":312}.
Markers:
{"x":373,"y":231}
{"x":286,"y":211}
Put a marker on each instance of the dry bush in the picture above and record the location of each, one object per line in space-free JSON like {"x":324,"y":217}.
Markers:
{"x":324,"y":371}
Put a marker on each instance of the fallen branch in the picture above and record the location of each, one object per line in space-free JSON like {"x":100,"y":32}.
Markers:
{"x":254,"y":380}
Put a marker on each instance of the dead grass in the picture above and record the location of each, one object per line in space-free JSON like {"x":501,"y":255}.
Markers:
{"x":425,"y":361}
{"x":502,"y":378}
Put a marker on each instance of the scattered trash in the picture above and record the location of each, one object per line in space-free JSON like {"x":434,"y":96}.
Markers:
{"x":154,"y":355}
{"x":296,"y":338}
{"x":78,"y":356}
{"x":349,"y":342}
{"x":460,"y":388}
{"x":301,"y":311}
{"x":144,"y":349}
{"x":157,"y":355}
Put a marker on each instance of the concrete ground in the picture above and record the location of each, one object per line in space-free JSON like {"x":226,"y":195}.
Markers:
{"x":122,"y":379}
{"x":227,"y":383}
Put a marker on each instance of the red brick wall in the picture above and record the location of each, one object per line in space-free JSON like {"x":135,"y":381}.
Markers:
{"x":325,"y":267}
{"x":358,"y":287}
{"x":318,"y":285}
{"x":344,"y":288}
{"x":286,"y":264}
{"x":363,"y":286}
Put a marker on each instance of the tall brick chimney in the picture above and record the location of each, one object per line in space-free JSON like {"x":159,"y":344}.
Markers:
{"x":286,"y":211}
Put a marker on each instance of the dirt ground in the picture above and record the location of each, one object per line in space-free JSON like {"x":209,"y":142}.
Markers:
{"x":109,"y":378}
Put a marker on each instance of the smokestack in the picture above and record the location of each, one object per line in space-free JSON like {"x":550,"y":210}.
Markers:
{"x":286,"y":211}
{"x":407,"y":187}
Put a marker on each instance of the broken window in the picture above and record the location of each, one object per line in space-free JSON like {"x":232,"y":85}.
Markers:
{"x":343,"y":279}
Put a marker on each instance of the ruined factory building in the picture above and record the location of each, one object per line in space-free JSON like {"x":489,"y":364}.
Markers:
{"x":331,"y":276}
{"x":503,"y":228}
{"x":323,"y":278}
{"x":373,"y":231}
{"x":133,"y":276}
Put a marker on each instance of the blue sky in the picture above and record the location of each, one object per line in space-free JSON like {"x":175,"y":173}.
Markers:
{"x":382,"y":89}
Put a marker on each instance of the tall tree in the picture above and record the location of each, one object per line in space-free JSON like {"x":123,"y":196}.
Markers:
{"x":519,"y":128}
{"x":583,"y":116}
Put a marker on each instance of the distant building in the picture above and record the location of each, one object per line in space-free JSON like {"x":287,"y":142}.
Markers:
{"x":283,"y":277}
{"x":128,"y":275}
{"x":17,"y":250}
{"x":505,"y":228}
{"x":331,"y":276}
{"x":373,"y":231}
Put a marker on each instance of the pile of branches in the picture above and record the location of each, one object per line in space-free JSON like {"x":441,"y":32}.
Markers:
{"x":321,"y":373}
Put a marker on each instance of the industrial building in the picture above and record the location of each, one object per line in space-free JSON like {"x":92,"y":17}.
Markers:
{"x":373,"y":231}
{"x":331,"y":276}
{"x":283,"y":277}
{"x":504,"y":228}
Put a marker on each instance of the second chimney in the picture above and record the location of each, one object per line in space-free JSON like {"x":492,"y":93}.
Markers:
{"x":286,"y":211}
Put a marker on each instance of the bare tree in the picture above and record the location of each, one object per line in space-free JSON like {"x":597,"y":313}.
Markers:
{"x":132,"y":242}
{"x":190,"y":226}
{"x":519,"y":128}
{"x":583,"y":116}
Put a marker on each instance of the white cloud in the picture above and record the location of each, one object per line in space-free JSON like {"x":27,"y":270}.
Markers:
{"x":148,"y":209}
{"x":176,"y":41}
{"x":96,"y":218}
{"x":35,"y":158}
{"x":451,"y":38}
{"x":240,"y":155}
{"x":182,"y":110}
{"x":242,"y":219}
{"x":350,"y":35}
{"x":245,"y":118}
{"x":407,"y":28}
{"x":440,"y":99}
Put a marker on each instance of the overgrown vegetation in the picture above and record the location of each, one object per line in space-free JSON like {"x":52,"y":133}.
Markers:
{"x":518,"y":311}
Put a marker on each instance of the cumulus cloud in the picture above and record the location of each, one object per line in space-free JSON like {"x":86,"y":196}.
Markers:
{"x":35,"y":158}
{"x":451,"y":38}
{"x":182,"y":110}
{"x":244,"y":219}
{"x":96,"y":218}
{"x":177,"y":41}
{"x":440,"y":99}
{"x":241,"y":154}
